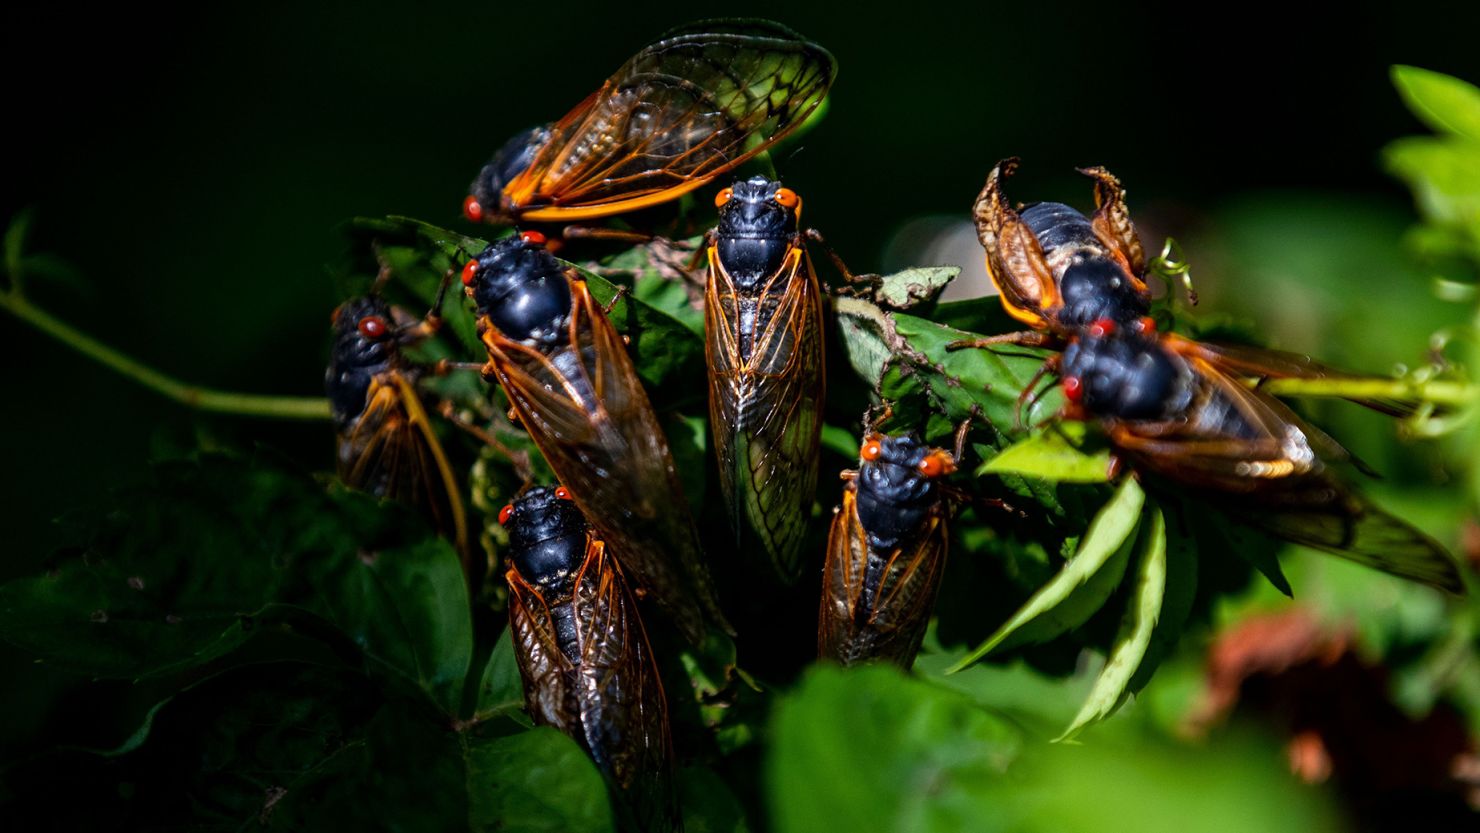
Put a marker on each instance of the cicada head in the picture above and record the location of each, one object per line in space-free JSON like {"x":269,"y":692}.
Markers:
{"x":757,"y":220}
{"x":520,"y":288}
{"x":1122,"y":373}
{"x":364,"y":345}
{"x":1096,"y":288}
{"x":485,"y":199}
{"x":898,"y":486}
{"x":547,"y":536}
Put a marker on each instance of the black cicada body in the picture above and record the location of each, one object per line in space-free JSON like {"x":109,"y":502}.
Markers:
{"x":1170,"y":406}
{"x":587,"y":667}
{"x":885,"y":553}
{"x":763,"y":342}
{"x":684,"y":110}
{"x":386,"y":443}
{"x":568,"y":376}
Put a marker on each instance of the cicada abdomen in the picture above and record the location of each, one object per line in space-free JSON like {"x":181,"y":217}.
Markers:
{"x":763,"y":341}
{"x":585,"y":660}
{"x":386,"y":443}
{"x":885,"y":553}
{"x":568,"y":376}
{"x":1169,"y":407}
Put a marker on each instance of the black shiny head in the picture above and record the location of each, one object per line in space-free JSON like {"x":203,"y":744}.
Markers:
{"x":897,"y":486}
{"x":1122,"y":373}
{"x":485,"y":196}
{"x":1094,"y":288}
{"x":521,"y":289}
{"x":364,"y":345}
{"x":757,"y":221}
{"x":547,"y":537}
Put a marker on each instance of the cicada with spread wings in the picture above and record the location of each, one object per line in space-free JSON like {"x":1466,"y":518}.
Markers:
{"x":569,"y":379}
{"x":583,"y":654}
{"x":387,"y":445}
{"x":1168,"y":409}
{"x":886,"y":552}
{"x":763,"y":341}
{"x":696,"y":104}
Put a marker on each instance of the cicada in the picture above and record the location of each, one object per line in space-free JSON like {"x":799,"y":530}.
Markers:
{"x":387,"y":445}
{"x":691,"y":107}
{"x":1167,"y":408}
{"x":569,"y":379}
{"x":583,"y":654}
{"x":763,"y":341}
{"x":886,"y":552}
{"x":1057,"y":270}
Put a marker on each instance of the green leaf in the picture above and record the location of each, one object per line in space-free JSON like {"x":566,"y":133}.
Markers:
{"x":1136,"y":627}
{"x":709,"y":806}
{"x":1085,"y":582}
{"x":914,"y":287}
{"x":872,"y":749}
{"x":405,"y":603}
{"x":538,"y":780}
{"x":1444,"y":174}
{"x":501,"y":689}
{"x":1176,"y":605}
{"x":182,"y":572}
{"x":1050,"y":455}
{"x":1443,"y":102}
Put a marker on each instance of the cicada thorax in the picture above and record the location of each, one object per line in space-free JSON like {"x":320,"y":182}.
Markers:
{"x":568,"y":377}
{"x":686,"y":109}
{"x":386,"y":444}
{"x":1170,"y":411}
{"x":1057,"y":269}
{"x":886,"y":553}
{"x":583,"y":653}
{"x":763,"y":342}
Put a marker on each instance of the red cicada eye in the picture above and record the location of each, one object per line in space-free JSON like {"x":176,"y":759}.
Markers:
{"x":1102,"y":328}
{"x":373,"y":327}
{"x":472,"y":209}
{"x":562,"y":493}
{"x":723,"y":197}
{"x":1146,"y":325}
{"x":1073,"y":389}
{"x":505,"y":514}
{"x":470,"y":273}
{"x":936,"y":464}
{"x":871,"y":450}
{"x":533,"y":238}
{"x":787,"y":198}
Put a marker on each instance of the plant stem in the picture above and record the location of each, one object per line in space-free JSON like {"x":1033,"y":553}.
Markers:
{"x":205,"y":399}
{"x":1439,"y":392}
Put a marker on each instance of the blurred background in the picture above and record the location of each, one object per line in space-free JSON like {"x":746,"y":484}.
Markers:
{"x":197,"y":170}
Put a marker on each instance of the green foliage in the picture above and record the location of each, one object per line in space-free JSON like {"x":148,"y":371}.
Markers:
{"x":316,"y":658}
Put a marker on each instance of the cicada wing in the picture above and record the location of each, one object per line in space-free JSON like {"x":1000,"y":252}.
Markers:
{"x":392,"y":451}
{"x":623,"y":710}
{"x":586,"y":410}
{"x":842,"y":581}
{"x":901,"y":608}
{"x":551,"y":690}
{"x":1112,"y":223}
{"x":1015,"y":259}
{"x":765,"y":406}
{"x":1328,"y":516}
{"x":679,"y":113}
{"x":1259,"y":363}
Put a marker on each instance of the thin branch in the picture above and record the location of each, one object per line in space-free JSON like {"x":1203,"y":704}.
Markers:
{"x":205,"y":399}
{"x":1439,"y":392}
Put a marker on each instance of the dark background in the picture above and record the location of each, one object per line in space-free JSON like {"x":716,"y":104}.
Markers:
{"x":197,"y":168}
